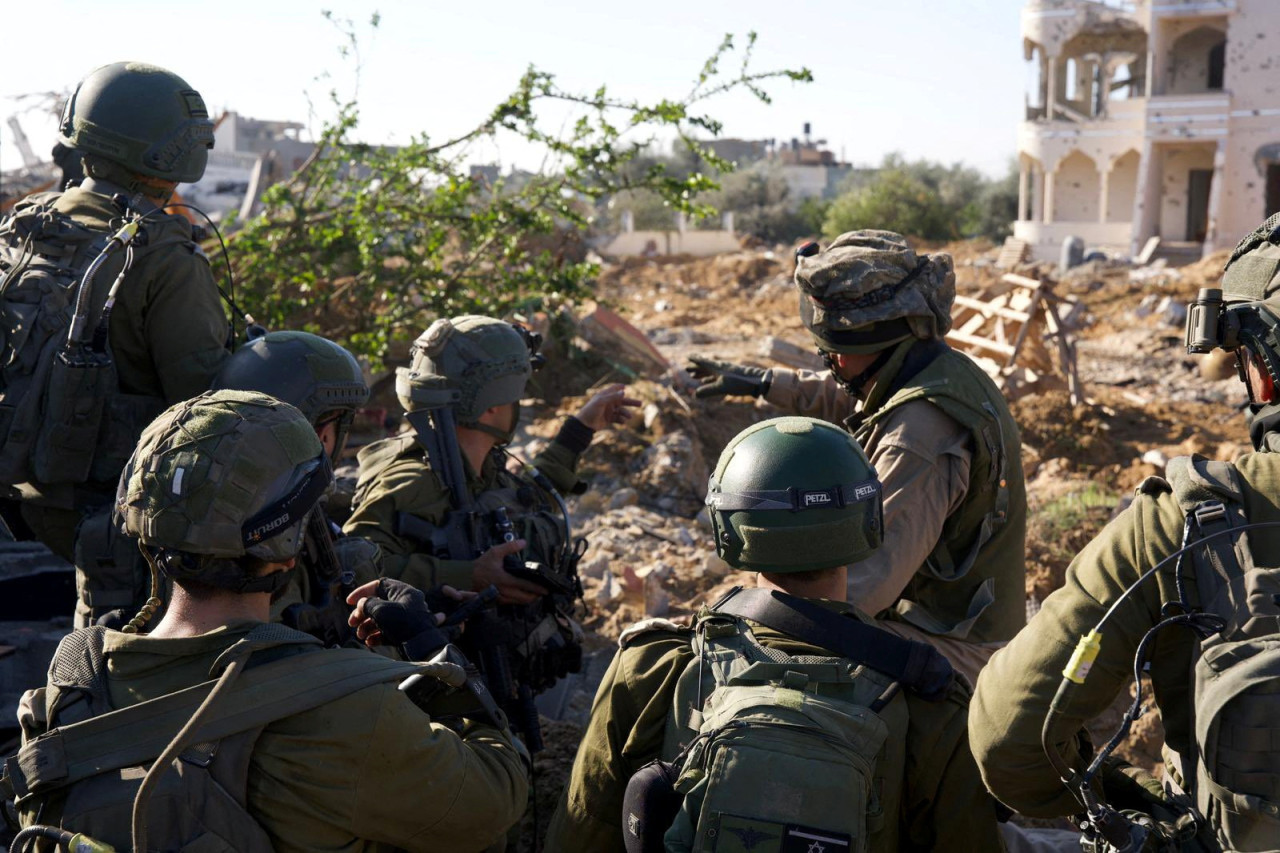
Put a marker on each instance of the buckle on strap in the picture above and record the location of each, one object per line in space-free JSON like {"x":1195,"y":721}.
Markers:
{"x":1211,"y":514}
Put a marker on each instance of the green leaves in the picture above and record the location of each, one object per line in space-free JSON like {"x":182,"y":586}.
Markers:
{"x":368,"y":244}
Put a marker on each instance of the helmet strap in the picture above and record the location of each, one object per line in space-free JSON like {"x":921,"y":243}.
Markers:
{"x":854,"y":385}
{"x":153,"y":602}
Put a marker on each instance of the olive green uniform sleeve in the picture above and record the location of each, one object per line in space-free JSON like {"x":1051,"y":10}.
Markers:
{"x":628,"y":719}
{"x":408,"y":485}
{"x":374,"y":766}
{"x":943,"y":799}
{"x":806,"y":392}
{"x":174,"y":330}
{"x":1014,"y":690}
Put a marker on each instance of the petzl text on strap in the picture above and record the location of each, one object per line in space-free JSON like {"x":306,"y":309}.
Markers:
{"x":919,"y":667}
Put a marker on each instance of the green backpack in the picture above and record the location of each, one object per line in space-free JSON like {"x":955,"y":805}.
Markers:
{"x":85,"y":767}
{"x":785,"y":749}
{"x":1234,"y":770}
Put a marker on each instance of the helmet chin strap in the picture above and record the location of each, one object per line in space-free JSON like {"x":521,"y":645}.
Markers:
{"x":503,"y":437}
{"x":854,"y":385}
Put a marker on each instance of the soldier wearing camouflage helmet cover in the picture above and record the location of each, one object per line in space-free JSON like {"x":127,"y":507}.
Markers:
{"x":302,"y":748}
{"x":141,"y":130}
{"x":485,"y":364}
{"x":795,"y":500}
{"x":934,"y":425}
{"x":1215,"y":684}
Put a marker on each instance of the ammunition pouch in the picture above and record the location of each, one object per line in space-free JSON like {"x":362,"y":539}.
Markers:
{"x":111,"y":573}
{"x":79,"y":385}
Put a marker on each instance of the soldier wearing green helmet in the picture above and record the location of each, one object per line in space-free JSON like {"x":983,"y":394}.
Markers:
{"x":141,"y":130}
{"x":934,"y":425}
{"x":1198,"y":550}
{"x":776,"y":685}
{"x":449,"y":515}
{"x":290,"y":746}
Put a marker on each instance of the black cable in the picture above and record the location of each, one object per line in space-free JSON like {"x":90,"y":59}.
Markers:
{"x":31,"y":833}
{"x":226,"y":258}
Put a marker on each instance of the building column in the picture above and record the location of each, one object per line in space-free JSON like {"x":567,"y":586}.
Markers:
{"x":1146,"y":200}
{"x":1024,"y":194}
{"x":1036,"y":213}
{"x":1051,"y":90}
{"x":1215,"y":198}
{"x":1104,"y":203}
{"x":1049,"y":180}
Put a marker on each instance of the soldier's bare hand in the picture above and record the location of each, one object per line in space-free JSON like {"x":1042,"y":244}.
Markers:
{"x":608,"y":407}
{"x":511,"y":589}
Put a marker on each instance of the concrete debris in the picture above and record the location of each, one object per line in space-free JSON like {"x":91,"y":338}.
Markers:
{"x":1155,"y":457}
{"x":624,"y":497}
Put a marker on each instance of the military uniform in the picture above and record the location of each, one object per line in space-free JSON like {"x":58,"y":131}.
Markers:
{"x":168,"y":337}
{"x":396,"y":480}
{"x":937,"y":576}
{"x":1014,"y":691}
{"x":931,"y":793}
{"x":367,"y":772}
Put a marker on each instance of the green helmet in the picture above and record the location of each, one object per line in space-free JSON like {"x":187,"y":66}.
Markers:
{"x":224,"y":475}
{"x":794,"y":494}
{"x":471,"y":363}
{"x":869,"y":291}
{"x":142,"y":117}
{"x":304,"y":370}
{"x":1252,"y":273}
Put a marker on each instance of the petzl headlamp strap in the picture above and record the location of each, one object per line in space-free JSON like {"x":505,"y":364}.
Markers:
{"x":794,"y":500}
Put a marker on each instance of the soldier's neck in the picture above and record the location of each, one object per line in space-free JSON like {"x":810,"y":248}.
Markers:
{"x":475,"y":446}
{"x":190,"y":617}
{"x":831,"y":584}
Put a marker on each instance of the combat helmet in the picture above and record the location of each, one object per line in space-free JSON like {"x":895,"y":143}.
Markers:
{"x":869,"y":291}
{"x":794,"y":494}
{"x":311,"y":373}
{"x":142,"y":117}
{"x":470,"y":363}
{"x":219,"y":477}
{"x":1244,"y":317}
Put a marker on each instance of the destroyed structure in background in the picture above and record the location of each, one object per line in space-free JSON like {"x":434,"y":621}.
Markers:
{"x":1156,"y":118}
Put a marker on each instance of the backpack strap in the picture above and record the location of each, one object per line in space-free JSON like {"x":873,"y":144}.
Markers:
{"x":139,"y":733}
{"x":918,"y":666}
{"x":1212,"y":499}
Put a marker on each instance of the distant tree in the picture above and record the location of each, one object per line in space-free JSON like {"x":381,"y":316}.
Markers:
{"x":894,"y":201}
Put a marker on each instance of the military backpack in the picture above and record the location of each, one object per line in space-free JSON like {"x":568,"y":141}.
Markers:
{"x":785,"y":749}
{"x":1233,"y":770}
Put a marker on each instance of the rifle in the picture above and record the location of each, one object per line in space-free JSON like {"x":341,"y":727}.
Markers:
{"x":324,"y":614}
{"x":518,"y":651}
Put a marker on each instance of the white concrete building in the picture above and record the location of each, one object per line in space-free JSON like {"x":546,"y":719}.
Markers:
{"x":1149,"y":118}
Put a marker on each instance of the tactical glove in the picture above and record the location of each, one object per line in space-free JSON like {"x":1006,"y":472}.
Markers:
{"x":725,"y":379}
{"x":401,"y":613}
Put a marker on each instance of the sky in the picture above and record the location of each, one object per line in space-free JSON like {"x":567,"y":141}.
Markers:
{"x":937,"y":79}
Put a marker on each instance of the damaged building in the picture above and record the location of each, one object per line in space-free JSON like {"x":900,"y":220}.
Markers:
{"x":1156,"y":118}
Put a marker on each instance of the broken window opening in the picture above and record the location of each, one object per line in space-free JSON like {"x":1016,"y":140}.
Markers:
{"x":1273,"y":189}
{"x":1217,"y":66}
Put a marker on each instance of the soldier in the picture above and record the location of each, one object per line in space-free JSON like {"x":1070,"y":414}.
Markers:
{"x":936,"y":428}
{"x":325,"y":382}
{"x":474,"y":369}
{"x":293,"y":747}
{"x":1177,"y":556}
{"x":72,"y":409}
{"x":795,"y":719}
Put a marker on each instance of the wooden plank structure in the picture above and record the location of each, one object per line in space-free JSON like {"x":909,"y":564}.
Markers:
{"x":1012,"y":253}
{"x":997,"y":333}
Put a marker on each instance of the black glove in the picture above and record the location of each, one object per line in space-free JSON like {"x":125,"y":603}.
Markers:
{"x":722,"y":378}
{"x":401,"y":613}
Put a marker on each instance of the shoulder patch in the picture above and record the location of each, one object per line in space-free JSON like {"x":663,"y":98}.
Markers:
{"x":1153,"y":485}
{"x":651,"y":626}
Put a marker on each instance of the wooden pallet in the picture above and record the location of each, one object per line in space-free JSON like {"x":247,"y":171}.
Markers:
{"x":1013,"y":252}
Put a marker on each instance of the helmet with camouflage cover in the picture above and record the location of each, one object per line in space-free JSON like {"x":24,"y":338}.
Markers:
{"x":794,"y":494}
{"x":312,"y":373}
{"x":869,"y":291}
{"x":142,"y":117}
{"x":219,"y":477}
{"x":471,"y":363}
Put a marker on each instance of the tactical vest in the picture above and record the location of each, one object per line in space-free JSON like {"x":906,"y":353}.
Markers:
{"x":83,"y":771}
{"x":775,"y":752}
{"x":1232,"y":770}
{"x":530,"y":510}
{"x":64,"y":422}
{"x":972,"y":586}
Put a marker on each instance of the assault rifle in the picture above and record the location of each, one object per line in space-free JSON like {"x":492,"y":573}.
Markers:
{"x":324,"y":614}
{"x":520,"y":650}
